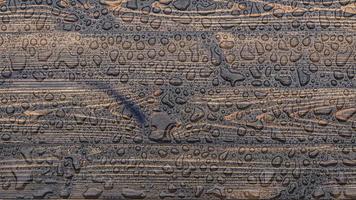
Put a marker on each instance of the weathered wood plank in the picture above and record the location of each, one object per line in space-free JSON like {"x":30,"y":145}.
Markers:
{"x":177,"y":99}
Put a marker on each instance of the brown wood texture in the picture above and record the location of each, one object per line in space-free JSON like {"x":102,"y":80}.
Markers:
{"x":177,"y":99}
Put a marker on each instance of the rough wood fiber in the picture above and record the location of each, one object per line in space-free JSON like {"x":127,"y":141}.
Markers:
{"x":177,"y":99}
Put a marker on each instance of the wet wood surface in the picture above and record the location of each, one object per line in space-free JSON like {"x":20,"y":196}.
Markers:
{"x":177,"y":99}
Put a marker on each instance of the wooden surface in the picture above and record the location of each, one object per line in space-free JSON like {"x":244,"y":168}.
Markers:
{"x":177,"y":99}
